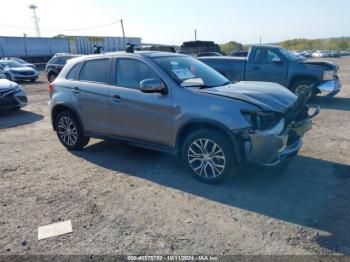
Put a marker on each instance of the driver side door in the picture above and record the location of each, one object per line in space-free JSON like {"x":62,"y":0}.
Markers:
{"x":135,"y":115}
{"x":262,"y":67}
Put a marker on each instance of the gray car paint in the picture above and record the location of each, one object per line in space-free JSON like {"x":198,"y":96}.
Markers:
{"x":159,"y":119}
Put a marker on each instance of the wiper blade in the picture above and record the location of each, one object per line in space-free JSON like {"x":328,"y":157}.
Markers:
{"x":206,"y":86}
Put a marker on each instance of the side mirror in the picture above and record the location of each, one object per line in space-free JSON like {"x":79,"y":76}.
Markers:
{"x":153,"y":85}
{"x":276,"y":60}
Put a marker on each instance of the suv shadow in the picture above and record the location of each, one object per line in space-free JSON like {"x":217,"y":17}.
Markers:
{"x":308,"y":192}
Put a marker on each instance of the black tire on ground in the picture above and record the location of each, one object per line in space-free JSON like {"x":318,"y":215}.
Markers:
{"x":51,"y":77}
{"x":66,"y":121}
{"x":203,"y":164}
{"x":304,"y":86}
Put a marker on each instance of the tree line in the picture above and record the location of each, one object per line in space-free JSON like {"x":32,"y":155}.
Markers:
{"x":338,"y":44}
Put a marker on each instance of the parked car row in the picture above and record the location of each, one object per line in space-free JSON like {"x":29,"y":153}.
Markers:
{"x":321,"y":53}
{"x":177,"y":104}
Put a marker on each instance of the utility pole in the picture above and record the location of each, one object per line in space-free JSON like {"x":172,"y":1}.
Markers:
{"x":195,"y":34}
{"x":260,"y":40}
{"x":122,"y":24}
{"x":36,"y":20}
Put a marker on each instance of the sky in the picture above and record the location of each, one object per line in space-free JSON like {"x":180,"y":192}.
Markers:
{"x":173,"y":22}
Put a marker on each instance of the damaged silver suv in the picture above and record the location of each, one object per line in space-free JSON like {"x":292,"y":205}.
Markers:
{"x":177,"y":104}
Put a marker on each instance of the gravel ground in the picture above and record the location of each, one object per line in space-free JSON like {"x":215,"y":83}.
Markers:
{"x":127,"y":200}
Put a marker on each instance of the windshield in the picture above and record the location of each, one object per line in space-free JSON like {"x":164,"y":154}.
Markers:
{"x":12,"y":64}
{"x":188,"y":72}
{"x":290,"y":56}
{"x":19,"y":60}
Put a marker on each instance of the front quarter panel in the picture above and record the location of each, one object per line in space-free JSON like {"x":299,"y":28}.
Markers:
{"x":191,"y":106}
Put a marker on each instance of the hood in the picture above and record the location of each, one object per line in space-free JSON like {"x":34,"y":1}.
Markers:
{"x":267,"y":96}
{"x":330,"y":65}
{"x":7,"y":85}
{"x":23,"y":69}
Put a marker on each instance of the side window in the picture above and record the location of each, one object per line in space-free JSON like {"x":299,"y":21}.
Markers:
{"x":131,"y":72}
{"x":95,"y":71}
{"x":52,"y":60}
{"x":264,"y":56}
{"x":73,"y":73}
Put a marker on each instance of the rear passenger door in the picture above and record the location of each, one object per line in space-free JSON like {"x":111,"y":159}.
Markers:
{"x":136,"y":115}
{"x":90,"y":94}
{"x":261,"y":67}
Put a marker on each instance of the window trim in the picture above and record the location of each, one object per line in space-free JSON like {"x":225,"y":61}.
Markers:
{"x":96,"y":82}
{"x":115,"y":68}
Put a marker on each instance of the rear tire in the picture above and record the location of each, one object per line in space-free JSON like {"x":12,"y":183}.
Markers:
{"x":208,"y":155}
{"x":69,"y":131}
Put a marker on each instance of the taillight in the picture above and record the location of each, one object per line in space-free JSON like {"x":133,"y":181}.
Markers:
{"x":50,"y":88}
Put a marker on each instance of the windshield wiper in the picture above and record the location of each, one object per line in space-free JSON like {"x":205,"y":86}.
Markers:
{"x":206,"y":86}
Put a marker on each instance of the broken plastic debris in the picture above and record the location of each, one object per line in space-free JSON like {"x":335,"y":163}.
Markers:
{"x":54,"y":230}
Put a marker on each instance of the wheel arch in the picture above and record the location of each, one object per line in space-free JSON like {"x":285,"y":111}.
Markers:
{"x":297,"y":78}
{"x":65,"y":107}
{"x":198,"y":124}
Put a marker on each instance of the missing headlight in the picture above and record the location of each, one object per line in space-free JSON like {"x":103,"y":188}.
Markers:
{"x":261,"y":120}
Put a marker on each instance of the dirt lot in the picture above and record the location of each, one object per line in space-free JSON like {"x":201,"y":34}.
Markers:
{"x":127,"y":200}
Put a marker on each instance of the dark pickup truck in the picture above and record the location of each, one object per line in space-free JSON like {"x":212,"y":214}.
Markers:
{"x":278,"y":65}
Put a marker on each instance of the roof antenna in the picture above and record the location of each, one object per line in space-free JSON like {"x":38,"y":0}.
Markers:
{"x":129,"y":48}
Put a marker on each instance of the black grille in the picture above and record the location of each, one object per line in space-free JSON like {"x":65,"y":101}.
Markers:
{"x":8,"y":101}
{"x":26,"y":73}
{"x":23,"y":99}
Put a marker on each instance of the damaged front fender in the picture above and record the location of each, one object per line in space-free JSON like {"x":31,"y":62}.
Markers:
{"x":270,"y":147}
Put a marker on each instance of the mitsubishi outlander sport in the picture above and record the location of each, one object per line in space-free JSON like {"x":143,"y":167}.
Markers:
{"x":177,"y":104}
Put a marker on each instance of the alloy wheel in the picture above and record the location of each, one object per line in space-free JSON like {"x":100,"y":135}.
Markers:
{"x":206,"y":158}
{"x":67,"y":131}
{"x":301,"y":90}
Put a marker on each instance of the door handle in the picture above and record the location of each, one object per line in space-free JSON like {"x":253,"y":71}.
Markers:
{"x":117,"y":98}
{"x":256,"y":68}
{"x":76,"y":90}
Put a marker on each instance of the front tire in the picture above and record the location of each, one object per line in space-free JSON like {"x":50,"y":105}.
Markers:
{"x":303,"y":88}
{"x":69,"y":132}
{"x":208,"y":155}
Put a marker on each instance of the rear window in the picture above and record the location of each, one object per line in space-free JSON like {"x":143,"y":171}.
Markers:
{"x":95,"y":71}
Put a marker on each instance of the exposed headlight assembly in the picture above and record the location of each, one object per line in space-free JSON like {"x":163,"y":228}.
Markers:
{"x":328,"y":75}
{"x":261,"y":120}
{"x":18,"y":88}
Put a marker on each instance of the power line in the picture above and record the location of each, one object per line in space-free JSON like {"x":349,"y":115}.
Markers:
{"x":60,"y":30}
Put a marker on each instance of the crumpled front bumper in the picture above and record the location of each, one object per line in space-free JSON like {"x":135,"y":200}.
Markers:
{"x":271,"y":146}
{"x":331,"y":87}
